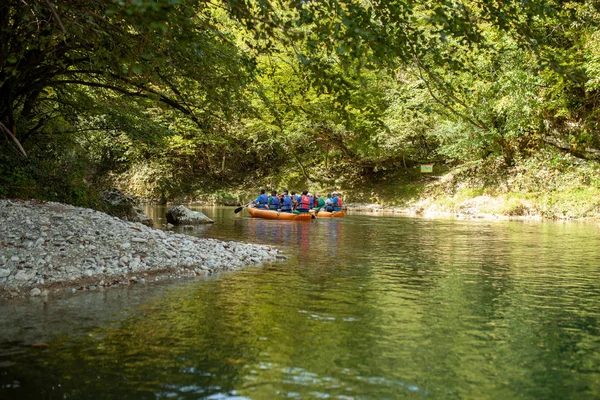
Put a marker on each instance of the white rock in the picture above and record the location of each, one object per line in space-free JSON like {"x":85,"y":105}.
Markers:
{"x":23,"y":276}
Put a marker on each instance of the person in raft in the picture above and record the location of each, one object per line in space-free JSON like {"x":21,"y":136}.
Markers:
{"x":337,"y":201}
{"x":273,"y":201}
{"x":319,"y":203}
{"x":304,"y":204}
{"x":262,"y":200}
{"x":310,"y":200}
{"x":295,"y":200}
{"x":286,"y":202}
{"x":329,"y":203}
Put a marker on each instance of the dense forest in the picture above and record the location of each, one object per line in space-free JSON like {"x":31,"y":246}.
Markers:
{"x":191,"y":99}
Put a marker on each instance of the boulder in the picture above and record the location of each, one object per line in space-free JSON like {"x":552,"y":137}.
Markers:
{"x":125,"y":207}
{"x":181,"y":215}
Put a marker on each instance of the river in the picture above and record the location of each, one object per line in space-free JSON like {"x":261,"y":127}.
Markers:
{"x":365,"y":307}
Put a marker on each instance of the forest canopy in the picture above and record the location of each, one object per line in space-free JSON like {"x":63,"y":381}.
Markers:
{"x":186,"y":95}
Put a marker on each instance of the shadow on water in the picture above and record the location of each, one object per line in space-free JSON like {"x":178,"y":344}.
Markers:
{"x":364,"y":307}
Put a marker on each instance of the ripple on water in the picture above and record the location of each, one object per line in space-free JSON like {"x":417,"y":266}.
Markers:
{"x":383,"y":308}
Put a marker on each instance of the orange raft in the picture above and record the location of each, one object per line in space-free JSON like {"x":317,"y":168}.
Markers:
{"x":328,"y":214}
{"x":272,"y":214}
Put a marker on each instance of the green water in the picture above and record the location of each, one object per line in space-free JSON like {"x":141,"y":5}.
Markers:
{"x":366,"y":307}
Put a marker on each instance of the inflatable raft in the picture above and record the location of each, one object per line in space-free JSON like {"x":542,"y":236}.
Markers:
{"x":272,"y":214}
{"x":328,"y":214}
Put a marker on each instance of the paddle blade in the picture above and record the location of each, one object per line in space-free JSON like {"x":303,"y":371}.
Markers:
{"x":237,"y":210}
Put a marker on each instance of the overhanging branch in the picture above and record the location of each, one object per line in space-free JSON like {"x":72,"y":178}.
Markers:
{"x":142,"y":92}
{"x":421,"y":68}
{"x":14,"y":139}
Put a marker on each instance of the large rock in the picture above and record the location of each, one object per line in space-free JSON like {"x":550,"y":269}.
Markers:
{"x":181,"y":215}
{"x":125,"y":207}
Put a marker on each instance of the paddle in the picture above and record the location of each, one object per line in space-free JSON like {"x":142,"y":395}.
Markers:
{"x":237,"y":210}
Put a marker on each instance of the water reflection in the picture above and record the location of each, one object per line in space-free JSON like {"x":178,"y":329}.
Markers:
{"x":365,"y":307}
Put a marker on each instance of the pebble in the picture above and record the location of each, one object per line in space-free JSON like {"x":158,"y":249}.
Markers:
{"x":50,"y":249}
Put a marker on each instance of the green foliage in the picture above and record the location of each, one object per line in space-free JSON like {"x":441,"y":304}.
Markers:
{"x":46,"y":175}
{"x":174,"y":98}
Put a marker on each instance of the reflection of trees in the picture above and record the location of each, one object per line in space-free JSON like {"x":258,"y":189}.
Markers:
{"x":398,"y":307}
{"x":167,"y":346}
{"x":494,"y":321}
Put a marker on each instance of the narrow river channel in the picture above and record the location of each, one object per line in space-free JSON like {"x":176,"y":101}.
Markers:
{"x":365,"y":307}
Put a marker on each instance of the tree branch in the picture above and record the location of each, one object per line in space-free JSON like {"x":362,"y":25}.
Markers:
{"x":181,"y":106}
{"x":422,"y":68}
{"x":14,"y":139}
{"x":161,"y":97}
{"x":56,"y":17}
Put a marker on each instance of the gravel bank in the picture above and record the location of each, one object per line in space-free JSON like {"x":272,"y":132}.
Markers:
{"x":47,"y":247}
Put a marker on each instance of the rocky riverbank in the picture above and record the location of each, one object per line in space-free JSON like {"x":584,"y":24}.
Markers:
{"x":47,"y":247}
{"x":479,"y":207}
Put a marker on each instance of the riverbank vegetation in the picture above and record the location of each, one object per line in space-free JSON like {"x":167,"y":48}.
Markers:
{"x":194,"y":100}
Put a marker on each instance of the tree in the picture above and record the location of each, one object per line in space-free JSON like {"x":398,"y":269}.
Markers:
{"x":170,"y":55}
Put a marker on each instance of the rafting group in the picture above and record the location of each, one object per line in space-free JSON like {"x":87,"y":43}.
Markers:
{"x":295,"y":207}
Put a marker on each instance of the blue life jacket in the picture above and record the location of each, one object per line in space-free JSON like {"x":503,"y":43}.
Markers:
{"x":286,"y":204}
{"x":310,"y":205}
{"x":329,"y":204}
{"x":336,"y":204}
{"x":274,"y":203}
{"x":262,"y":201}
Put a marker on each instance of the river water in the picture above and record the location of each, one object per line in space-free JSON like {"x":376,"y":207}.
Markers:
{"x":365,"y":307}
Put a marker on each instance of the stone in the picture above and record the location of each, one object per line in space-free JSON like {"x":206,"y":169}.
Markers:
{"x":181,"y":215}
{"x":35,"y":292}
{"x":23,"y":276}
{"x":125,"y":207}
{"x":120,"y":249}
